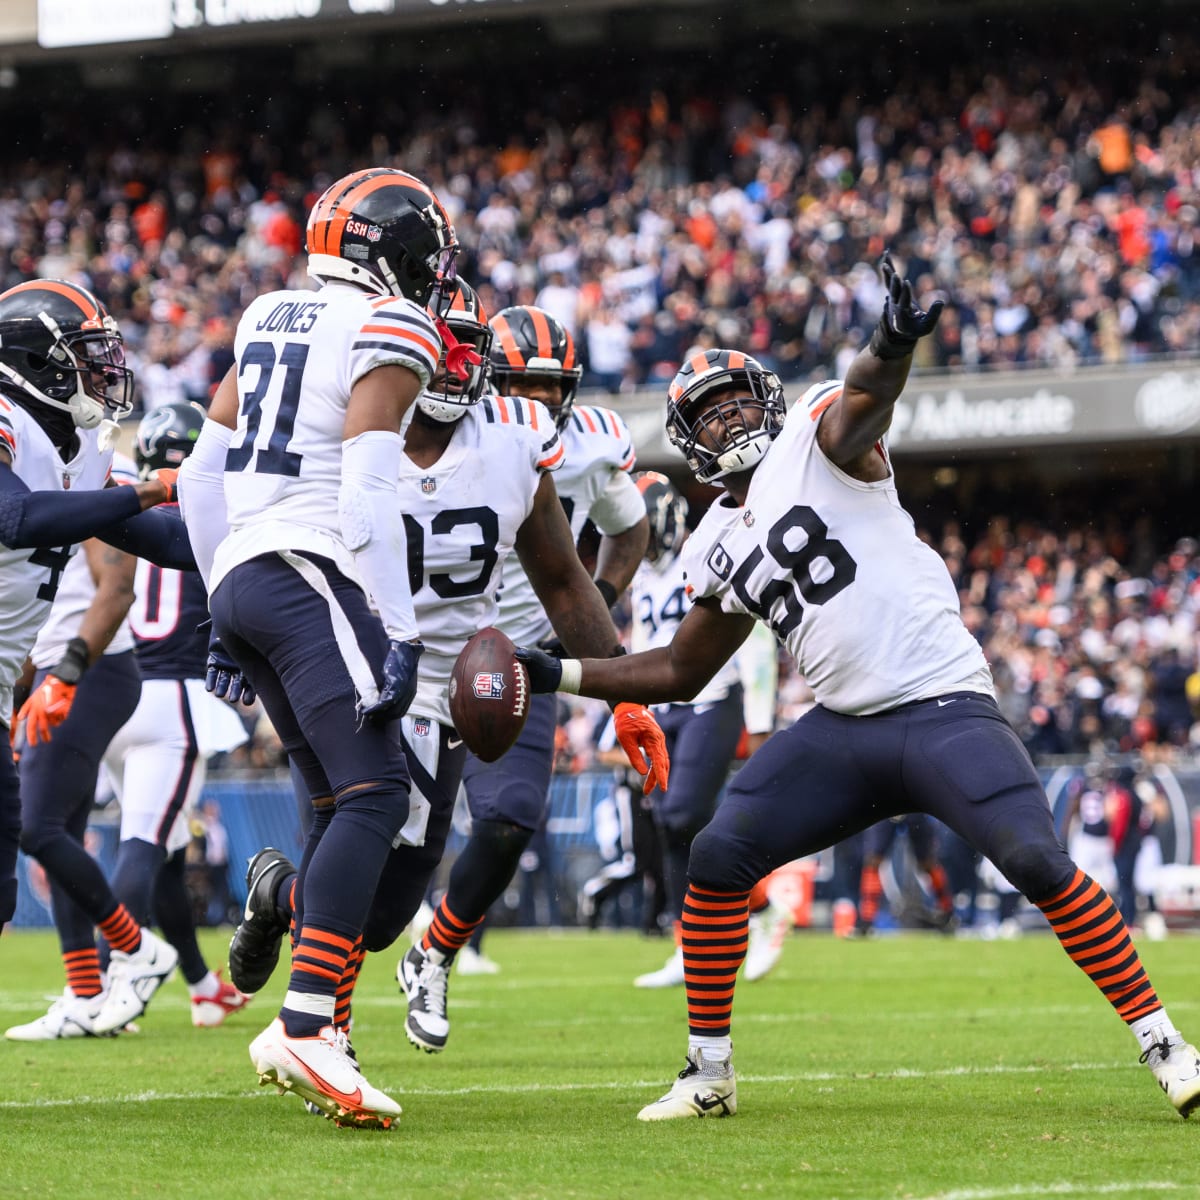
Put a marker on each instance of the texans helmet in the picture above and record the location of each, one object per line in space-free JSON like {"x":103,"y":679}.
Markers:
{"x":738,"y":429}
{"x":166,"y":436}
{"x":447,"y":397}
{"x":386,"y":231}
{"x":666,"y":510}
{"x":61,"y":349}
{"x":528,"y":341}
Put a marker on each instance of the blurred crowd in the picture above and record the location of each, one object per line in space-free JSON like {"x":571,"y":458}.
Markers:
{"x":1055,"y":208}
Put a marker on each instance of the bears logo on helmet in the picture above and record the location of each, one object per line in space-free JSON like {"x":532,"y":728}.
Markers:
{"x":384,"y":230}
{"x":529,"y":342}
{"x":448,"y":396}
{"x":61,"y":349}
{"x":666,"y":510}
{"x":166,"y":436}
{"x":738,"y":429}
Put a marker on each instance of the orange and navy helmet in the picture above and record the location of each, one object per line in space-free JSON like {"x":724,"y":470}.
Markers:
{"x":384,"y":230}
{"x":447,"y":397}
{"x":61,"y":350}
{"x":739,"y":428}
{"x":666,"y":510}
{"x":529,"y":341}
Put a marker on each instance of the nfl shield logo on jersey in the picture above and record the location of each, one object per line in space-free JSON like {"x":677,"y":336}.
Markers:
{"x":421,"y":726}
{"x":489,"y":685}
{"x":429,"y":485}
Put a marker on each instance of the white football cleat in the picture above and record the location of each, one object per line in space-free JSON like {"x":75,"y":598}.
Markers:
{"x":132,"y":981}
{"x":321,"y":1071}
{"x":1176,"y":1066}
{"x":424,"y":977}
{"x":210,"y":1011}
{"x":768,"y":929}
{"x":469,"y":961}
{"x":70,"y":1016}
{"x":669,"y":975}
{"x":705,"y":1088}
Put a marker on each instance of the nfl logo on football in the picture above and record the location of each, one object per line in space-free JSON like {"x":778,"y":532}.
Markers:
{"x":489,"y":685}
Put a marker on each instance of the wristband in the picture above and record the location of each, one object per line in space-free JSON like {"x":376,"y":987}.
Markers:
{"x":75,"y":660}
{"x":572,"y":676}
{"x":606,"y":590}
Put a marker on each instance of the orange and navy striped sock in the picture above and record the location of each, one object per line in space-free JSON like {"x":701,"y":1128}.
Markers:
{"x":345,"y":987}
{"x":870,"y":888}
{"x":758,"y":896}
{"x":318,"y":963}
{"x":83,"y":971}
{"x":121,"y":930}
{"x":1091,"y":931}
{"x":446,"y":933}
{"x":716,"y":929}
{"x":941,"y":888}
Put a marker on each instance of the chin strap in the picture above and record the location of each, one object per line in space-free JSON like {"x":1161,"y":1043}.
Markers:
{"x":460,"y":356}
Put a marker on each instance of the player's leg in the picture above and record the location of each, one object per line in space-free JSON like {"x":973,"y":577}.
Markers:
{"x":974,"y":775}
{"x":806,"y":788}
{"x":58,"y":786}
{"x":877,"y":842}
{"x":309,"y":654}
{"x":922,"y":837}
{"x":10,"y":828}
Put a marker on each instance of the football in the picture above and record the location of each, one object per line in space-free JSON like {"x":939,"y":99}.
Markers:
{"x":489,"y":694}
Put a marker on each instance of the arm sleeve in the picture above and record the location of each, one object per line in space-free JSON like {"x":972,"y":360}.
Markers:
{"x":373,"y":527}
{"x":31,"y":519}
{"x":619,"y":507}
{"x":202,"y":494}
{"x":158,"y":537}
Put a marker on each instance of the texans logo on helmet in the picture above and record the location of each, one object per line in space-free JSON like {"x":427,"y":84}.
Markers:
{"x":489,"y":685}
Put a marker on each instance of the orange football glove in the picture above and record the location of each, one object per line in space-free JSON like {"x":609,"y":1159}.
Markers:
{"x":47,"y":706}
{"x":642,"y":739}
{"x":169,"y":477}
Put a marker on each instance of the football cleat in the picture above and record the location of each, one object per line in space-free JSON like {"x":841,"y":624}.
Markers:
{"x":210,"y":1011}
{"x":321,"y":1070}
{"x":132,"y":981}
{"x":424,"y":977}
{"x":1176,"y":1066}
{"x":670,"y":975}
{"x":315,"y":1109}
{"x":469,"y":961}
{"x":254,"y":950}
{"x":70,"y":1016}
{"x":705,"y":1088}
{"x":768,"y":929}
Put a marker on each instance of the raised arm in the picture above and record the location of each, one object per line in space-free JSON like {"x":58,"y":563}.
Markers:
{"x":853,"y":423}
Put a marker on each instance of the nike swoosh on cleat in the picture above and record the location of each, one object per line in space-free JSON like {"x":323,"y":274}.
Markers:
{"x":352,"y":1099}
{"x":709,"y":1102}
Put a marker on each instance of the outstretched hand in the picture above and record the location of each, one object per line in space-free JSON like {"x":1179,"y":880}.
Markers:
{"x":644,"y":744}
{"x":903,"y":322}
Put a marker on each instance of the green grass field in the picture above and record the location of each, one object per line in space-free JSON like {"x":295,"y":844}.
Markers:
{"x":905,"y":1067}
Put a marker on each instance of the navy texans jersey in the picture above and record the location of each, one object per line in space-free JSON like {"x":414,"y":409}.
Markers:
{"x":168,"y":607}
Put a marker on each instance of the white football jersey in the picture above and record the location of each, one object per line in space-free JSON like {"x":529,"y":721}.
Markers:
{"x":76,"y":590}
{"x":299,"y":353}
{"x":659,"y":602}
{"x":834,"y":565}
{"x":461,"y":516}
{"x":596,"y":444}
{"x":29,"y":579}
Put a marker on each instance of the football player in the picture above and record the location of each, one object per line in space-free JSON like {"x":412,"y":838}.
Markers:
{"x":475,"y":484}
{"x":877,"y":845}
{"x":810,"y":538}
{"x":532,"y":356}
{"x":702,"y":735}
{"x":63,"y":384}
{"x":291,"y":504}
{"x":157,"y":760}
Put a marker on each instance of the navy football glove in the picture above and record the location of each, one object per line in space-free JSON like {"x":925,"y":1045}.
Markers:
{"x":545,"y":671}
{"x":399,"y":684}
{"x":902,"y":322}
{"x":223,"y":677}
